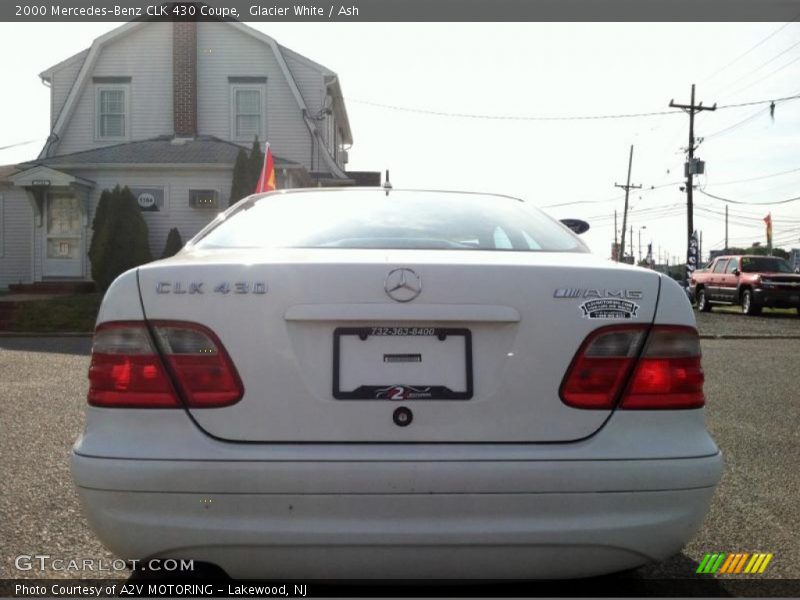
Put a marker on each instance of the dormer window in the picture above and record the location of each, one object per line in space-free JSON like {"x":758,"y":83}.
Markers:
{"x":248,"y":104}
{"x":112,"y":110}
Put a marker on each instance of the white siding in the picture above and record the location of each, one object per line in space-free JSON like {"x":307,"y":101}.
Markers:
{"x":310,"y":80}
{"x":61,"y":82}
{"x":177,"y":212}
{"x":16,"y":222}
{"x":224,"y":51}
{"x":144,"y":55}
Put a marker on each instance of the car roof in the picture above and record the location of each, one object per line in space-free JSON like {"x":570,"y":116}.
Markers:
{"x":381,"y":190}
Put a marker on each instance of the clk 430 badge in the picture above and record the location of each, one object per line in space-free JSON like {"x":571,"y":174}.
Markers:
{"x":609,"y":308}
{"x":196,"y":287}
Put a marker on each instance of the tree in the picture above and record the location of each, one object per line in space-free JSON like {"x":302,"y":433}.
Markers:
{"x":240,"y":179}
{"x":99,"y":236}
{"x":758,"y":250}
{"x":120,"y":237}
{"x":246,"y":170}
{"x":255,"y":164}
{"x":174,"y":243}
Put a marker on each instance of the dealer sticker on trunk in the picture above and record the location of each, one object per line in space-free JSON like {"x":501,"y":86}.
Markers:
{"x":609,"y":308}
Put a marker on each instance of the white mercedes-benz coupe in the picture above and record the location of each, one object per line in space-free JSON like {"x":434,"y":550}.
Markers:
{"x":365,"y":383}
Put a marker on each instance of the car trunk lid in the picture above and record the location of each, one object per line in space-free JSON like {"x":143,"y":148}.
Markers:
{"x":326,"y":355}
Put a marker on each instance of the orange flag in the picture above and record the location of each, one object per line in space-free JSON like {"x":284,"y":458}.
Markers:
{"x":768,"y":221}
{"x":266,"y":181}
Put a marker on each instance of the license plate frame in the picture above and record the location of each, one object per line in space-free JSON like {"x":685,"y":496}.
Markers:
{"x":404,"y":391}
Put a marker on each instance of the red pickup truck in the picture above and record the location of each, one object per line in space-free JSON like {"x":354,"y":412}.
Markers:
{"x":750,"y":281}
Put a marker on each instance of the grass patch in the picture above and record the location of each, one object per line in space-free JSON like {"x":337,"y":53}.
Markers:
{"x":766,"y":311}
{"x":62,"y":313}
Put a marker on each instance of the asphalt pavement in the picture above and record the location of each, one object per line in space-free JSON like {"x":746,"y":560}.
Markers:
{"x":729,"y":321}
{"x":752,"y":411}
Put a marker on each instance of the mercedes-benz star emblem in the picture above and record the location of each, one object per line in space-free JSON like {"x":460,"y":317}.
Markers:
{"x":402,"y":285}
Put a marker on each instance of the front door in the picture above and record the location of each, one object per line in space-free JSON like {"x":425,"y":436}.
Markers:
{"x":63,"y":243}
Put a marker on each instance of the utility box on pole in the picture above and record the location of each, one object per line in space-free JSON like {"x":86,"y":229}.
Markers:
{"x":694,"y":167}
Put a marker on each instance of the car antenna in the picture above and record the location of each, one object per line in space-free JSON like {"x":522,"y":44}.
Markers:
{"x":387,"y":185}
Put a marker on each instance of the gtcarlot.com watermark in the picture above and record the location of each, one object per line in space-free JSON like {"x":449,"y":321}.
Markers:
{"x":45,"y":562}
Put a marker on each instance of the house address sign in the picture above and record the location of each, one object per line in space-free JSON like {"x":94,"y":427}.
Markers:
{"x":40,"y":182}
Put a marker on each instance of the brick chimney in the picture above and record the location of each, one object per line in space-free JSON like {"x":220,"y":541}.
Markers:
{"x":184,"y":78}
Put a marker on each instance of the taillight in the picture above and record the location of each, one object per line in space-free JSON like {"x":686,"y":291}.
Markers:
{"x":601,"y":367}
{"x":200,"y":364}
{"x":127,"y":371}
{"x":667,"y":373}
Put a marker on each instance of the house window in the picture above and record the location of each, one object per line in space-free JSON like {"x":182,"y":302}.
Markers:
{"x":204,"y":198}
{"x":247,"y":102}
{"x":112,"y":111}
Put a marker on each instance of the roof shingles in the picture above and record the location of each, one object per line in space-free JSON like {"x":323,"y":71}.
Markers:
{"x":161,"y":150}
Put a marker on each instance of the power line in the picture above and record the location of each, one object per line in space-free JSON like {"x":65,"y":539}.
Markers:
{"x":748,"y":51}
{"x":759,"y":67}
{"x":615,"y":198}
{"x":786,"y":201}
{"x":729,"y":182}
{"x":735,"y":125}
{"x":17,"y":144}
{"x":479,"y":116}
{"x":460,"y":115}
{"x":767,"y":76}
{"x":755,"y":102}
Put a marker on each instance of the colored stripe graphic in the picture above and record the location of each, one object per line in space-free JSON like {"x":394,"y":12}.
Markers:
{"x":741,"y":562}
{"x":711,"y":562}
{"x":734,"y":563}
{"x":754,"y":563}
{"x":718,"y":563}
{"x":726,"y":565}
{"x":765,"y":563}
{"x":701,"y":568}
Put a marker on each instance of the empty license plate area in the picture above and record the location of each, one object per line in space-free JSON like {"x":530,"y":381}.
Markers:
{"x":402,"y":363}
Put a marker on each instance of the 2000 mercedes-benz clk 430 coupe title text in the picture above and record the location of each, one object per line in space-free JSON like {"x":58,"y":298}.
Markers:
{"x":366,"y":383}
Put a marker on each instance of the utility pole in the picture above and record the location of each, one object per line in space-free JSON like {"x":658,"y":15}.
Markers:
{"x":627,"y":187}
{"x":726,"y":228}
{"x":616,"y":248}
{"x":691,"y":110}
{"x":632,"y":242}
{"x":640,"y":244}
{"x":700,"y":249}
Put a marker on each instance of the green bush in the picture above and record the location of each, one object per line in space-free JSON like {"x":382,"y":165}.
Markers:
{"x":239,"y":182}
{"x":246,"y":171}
{"x":120,"y":237}
{"x":255,"y":164}
{"x":99,"y":236}
{"x":174,"y":243}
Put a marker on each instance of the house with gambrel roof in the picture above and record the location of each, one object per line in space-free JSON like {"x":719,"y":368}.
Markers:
{"x":163,"y":108}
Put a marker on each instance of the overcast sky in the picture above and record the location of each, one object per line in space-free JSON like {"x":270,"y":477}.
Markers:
{"x":531,"y":69}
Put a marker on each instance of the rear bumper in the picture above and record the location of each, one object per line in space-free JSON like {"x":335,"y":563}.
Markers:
{"x":399,"y":519}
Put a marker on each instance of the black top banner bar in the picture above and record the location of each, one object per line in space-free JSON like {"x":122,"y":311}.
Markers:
{"x":403,"y":10}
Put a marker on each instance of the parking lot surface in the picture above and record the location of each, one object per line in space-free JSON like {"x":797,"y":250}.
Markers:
{"x":728,"y":320}
{"x":753,"y":413}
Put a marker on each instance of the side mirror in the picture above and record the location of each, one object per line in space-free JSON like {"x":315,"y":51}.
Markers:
{"x":736,"y":272}
{"x":576,"y":225}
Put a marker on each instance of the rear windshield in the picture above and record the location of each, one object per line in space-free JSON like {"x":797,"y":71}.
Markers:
{"x":764,"y":264}
{"x":373,"y":219}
